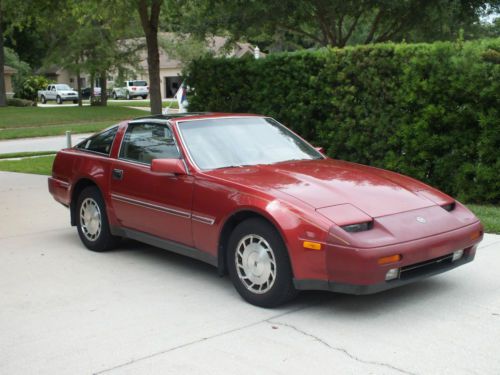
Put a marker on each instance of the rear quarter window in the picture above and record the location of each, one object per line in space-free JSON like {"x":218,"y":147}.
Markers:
{"x":100,"y":143}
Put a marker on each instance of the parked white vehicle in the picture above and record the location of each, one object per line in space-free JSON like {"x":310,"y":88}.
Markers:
{"x":59,"y":92}
{"x":132,"y":89}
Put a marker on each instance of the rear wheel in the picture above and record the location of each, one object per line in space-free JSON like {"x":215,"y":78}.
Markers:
{"x":144,"y":96}
{"x":92,"y":224}
{"x":43,"y":100}
{"x":115,"y":96}
{"x":258,"y":264}
{"x":127,"y":96}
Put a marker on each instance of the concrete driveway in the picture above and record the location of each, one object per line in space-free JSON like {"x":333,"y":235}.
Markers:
{"x":141,"y":310}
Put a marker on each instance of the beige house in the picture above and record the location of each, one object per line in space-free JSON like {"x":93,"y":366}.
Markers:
{"x":8,"y":73}
{"x":170,"y":68}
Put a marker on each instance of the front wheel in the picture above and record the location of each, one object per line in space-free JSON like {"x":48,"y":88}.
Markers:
{"x":258,"y":264}
{"x":92,"y":224}
{"x":59,"y":100}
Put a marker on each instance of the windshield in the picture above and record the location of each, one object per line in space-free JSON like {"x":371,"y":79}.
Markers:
{"x":63,"y":87}
{"x":227,"y":142}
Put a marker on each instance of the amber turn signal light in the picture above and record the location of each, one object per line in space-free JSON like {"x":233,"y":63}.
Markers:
{"x":312,"y":245}
{"x":476,"y":234}
{"x":389,"y":259}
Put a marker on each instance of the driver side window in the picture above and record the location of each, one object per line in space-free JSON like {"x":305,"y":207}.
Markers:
{"x":144,"y":142}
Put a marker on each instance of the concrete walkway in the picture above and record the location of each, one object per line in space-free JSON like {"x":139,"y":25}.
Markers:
{"x":141,"y":310}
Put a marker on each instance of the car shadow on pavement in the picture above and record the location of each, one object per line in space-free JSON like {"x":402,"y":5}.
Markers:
{"x":390,"y":300}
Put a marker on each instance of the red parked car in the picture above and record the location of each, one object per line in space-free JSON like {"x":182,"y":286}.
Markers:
{"x":247,"y":195}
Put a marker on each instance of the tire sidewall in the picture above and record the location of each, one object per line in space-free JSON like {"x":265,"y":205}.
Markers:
{"x":105,"y":239}
{"x":282,"y":289}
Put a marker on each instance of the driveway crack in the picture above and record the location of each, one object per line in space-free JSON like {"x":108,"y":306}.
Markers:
{"x":339,"y":349}
{"x":132,"y":361}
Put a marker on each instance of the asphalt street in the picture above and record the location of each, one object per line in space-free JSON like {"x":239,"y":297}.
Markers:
{"x":141,"y":310}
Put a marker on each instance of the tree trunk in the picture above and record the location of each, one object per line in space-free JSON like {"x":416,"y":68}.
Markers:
{"x":92,"y":84}
{"x":79,"y":87}
{"x":3,"y":95}
{"x":149,"y":22}
{"x":104,"y":88}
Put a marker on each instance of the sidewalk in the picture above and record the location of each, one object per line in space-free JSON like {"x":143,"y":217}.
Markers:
{"x":39,"y":143}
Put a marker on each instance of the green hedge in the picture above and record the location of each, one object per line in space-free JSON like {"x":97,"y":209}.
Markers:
{"x":431,"y":111}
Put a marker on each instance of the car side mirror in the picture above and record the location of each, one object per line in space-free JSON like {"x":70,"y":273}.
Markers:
{"x":320,"y":150}
{"x":168,"y":166}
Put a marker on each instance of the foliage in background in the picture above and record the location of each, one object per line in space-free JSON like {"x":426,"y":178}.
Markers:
{"x":23,"y":69}
{"x":291,"y":24}
{"x":184,"y":47}
{"x":431,"y":111}
{"x":28,"y":89}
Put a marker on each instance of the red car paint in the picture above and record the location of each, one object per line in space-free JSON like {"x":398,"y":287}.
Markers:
{"x":305,"y":200}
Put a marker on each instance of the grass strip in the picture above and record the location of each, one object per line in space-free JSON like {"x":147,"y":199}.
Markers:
{"x":12,"y":155}
{"x":41,"y":165}
{"x":489,"y":216}
{"x":47,"y":131}
{"x":16,"y":117}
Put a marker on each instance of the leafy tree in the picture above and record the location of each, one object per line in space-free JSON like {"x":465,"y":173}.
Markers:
{"x":329,"y":22}
{"x":23,"y":69}
{"x":184,"y":47}
{"x":93,"y":44}
{"x":17,"y":15}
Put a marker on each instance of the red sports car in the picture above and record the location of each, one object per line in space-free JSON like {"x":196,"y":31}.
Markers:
{"x":247,"y":195}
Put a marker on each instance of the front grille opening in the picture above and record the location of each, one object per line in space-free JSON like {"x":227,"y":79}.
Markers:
{"x":426,"y":267}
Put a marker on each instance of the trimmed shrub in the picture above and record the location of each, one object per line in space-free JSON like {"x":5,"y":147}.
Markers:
{"x":16,"y":102}
{"x":431,"y":111}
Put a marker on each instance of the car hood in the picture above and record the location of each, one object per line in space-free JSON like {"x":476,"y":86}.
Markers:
{"x":66,"y":91}
{"x":327,"y":182}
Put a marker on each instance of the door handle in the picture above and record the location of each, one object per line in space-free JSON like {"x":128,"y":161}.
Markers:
{"x":117,"y":174}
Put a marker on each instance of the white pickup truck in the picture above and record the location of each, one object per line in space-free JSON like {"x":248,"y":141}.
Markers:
{"x":131,"y":90}
{"x":58,"y":92}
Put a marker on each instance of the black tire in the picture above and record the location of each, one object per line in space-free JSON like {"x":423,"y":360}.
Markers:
{"x":144,"y":96}
{"x":280,"y":289}
{"x":103,"y":240}
{"x":127,"y":96}
{"x":43,"y":100}
{"x":59,"y":100}
{"x":75,"y":101}
{"x":114,"y":96}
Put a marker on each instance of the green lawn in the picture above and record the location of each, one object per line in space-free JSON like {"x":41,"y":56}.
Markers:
{"x":489,"y":215}
{"x":26,"y":154}
{"x":22,"y":122}
{"x":39,"y":165}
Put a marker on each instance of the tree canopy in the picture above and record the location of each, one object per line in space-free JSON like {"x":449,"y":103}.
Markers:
{"x":316,"y":23}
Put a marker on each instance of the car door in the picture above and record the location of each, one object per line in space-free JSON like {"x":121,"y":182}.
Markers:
{"x":148,"y":202}
{"x":51,"y":93}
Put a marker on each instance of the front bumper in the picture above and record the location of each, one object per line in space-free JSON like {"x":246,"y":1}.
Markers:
{"x":69,"y":98}
{"x":357,"y":271}
{"x":337,"y":287}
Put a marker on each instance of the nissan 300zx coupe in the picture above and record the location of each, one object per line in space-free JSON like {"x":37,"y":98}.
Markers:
{"x":247,"y":195}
